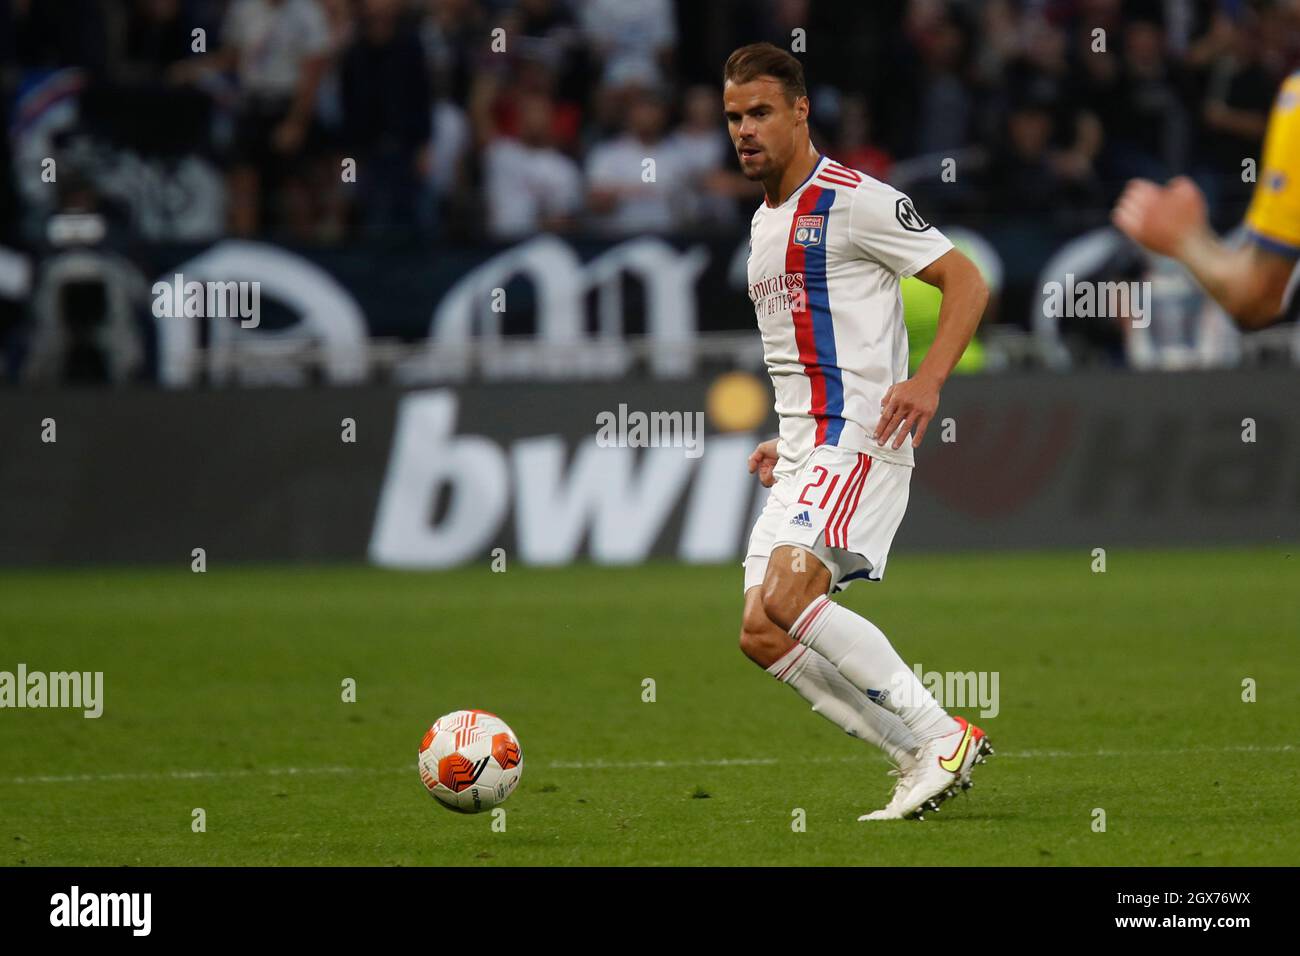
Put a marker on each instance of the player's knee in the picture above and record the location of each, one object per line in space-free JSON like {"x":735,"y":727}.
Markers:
{"x":759,"y":637}
{"x":788,"y":588}
{"x":784,"y":598}
{"x":780,"y":602}
{"x":763,"y":645}
{"x":752,"y":627}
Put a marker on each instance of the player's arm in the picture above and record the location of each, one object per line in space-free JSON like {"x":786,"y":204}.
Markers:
{"x":1248,"y":281}
{"x":912,"y":403}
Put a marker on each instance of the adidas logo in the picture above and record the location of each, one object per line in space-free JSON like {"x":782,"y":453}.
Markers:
{"x":802,"y":520}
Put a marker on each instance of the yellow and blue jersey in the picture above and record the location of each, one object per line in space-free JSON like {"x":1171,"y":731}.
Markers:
{"x":1273,"y":220}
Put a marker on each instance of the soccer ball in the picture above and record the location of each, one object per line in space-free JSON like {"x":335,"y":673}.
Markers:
{"x":470,"y":760}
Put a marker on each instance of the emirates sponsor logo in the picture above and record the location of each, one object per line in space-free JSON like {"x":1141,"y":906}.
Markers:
{"x":786,"y":282}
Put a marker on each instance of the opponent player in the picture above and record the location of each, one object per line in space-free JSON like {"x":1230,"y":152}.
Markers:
{"x":1250,"y":281}
{"x":827,"y":249}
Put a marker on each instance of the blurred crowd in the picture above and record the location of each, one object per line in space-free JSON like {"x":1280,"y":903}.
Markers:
{"x":500,"y":118}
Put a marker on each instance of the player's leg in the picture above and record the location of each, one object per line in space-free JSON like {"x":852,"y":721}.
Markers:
{"x":857,"y":650}
{"x":818,"y":682}
{"x":855,"y":646}
{"x":854,"y":540}
{"x":853,"y":529}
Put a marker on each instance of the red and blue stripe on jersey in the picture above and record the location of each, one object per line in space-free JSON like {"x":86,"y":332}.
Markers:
{"x":814,"y":330}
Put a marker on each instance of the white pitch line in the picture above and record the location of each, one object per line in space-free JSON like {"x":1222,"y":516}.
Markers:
{"x":1015,"y":754}
{"x":614,"y":764}
{"x":196,"y":774}
{"x":659,"y":764}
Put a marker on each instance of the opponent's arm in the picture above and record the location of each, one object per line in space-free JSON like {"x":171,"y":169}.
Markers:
{"x":1249,"y":282}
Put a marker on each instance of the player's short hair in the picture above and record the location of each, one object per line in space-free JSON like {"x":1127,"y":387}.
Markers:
{"x":766,"y":59}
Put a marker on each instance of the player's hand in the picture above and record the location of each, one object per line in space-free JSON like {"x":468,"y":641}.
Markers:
{"x":1161,"y":218}
{"x":907,"y":405}
{"x":763,"y":460}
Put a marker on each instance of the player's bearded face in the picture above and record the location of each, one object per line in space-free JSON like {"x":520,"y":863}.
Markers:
{"x":761,"y":121}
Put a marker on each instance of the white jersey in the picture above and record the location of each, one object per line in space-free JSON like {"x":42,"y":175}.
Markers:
{"x":824,"y":268}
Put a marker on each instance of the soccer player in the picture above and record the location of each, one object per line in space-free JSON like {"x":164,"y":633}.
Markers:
{"x":827,"y":249}
{"x":1250,"y":281}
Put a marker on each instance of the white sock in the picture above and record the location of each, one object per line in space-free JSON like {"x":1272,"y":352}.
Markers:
{"x":862,"y":653}
{"x":818,"y":682}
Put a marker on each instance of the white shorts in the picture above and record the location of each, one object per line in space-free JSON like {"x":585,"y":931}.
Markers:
{"x":844,"y":506}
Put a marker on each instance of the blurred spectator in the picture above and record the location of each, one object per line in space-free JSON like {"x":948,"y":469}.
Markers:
{"x":498,"y":93}
{"x":941,"y":108}
{"x":853,"y":145}
{"x":312,"y":81}
{"x":632,"y":39}
{"x":1002,"y":40}
{"x":706,"y":154}
{"x":1144,"y":118}
{"x":154,"y":35}
{"x":386,"y":116}
{"x":333,"y":199}
{"x":547,"y":31}
{"x":121,"y":114}
{"x":341,"y":24}
{"x":1026,"y":172}
{"x":625,"y":191}
{"x":1238,"y":96}
{"x":454,"y":33}
{"x":1043,"y":137}
{"x":530,"y":186}
{"x":278,"y":50}
{"x":1020,"y":176}
{"x":473,"y":139}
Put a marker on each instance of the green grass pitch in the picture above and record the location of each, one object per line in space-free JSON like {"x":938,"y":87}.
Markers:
{"x":1120,"y":691}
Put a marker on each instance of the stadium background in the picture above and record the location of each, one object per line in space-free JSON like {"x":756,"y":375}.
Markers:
{"x":497,"y":234}
{"x":385,"y":413}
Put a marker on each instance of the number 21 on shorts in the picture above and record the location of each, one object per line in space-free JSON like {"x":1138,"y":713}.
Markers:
{"x":824,"y":473}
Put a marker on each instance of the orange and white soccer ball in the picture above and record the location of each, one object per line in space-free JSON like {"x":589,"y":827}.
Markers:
{"x":470,"y":760}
